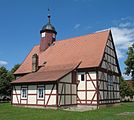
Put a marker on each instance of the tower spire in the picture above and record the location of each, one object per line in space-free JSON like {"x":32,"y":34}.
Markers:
{"x":49,"y":16}
{"x":48,"y":34}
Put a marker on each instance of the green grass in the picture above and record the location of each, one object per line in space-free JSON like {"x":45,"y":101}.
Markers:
{"x":8,"y":112}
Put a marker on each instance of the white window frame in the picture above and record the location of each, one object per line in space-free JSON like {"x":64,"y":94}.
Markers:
{"x":24,"y":94}
{"x":38,"y":93}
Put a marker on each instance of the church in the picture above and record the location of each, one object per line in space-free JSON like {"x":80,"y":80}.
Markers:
{"x":79,"y":71}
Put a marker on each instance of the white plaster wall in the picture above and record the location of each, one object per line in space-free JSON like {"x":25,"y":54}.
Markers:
{"x":52,"y":100}
{"x":94,"y":102}
{"x":82,"y":101}
{"x":79,"y":75}
{"x":48,"y":89}
{"x":90,"y":95}
{"x":17,"y":89}
{"x":23,"y":101}
{"x":15,"y":99}
{"x":40,"y":102}
{"x":81,"y":85}
{"x":81,"y":95}
{"x":90,"y":85}
{"x":31,"y":99}
{"x":32,"y":89}
{"x":92,"y":75}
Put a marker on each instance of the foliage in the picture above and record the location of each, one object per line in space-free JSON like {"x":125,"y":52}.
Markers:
{"x":125,"y":89}
{"x":8,"y":112}
{"x":5,"y":78}
{"x":129,"y":70}
{"x":15,"y":68}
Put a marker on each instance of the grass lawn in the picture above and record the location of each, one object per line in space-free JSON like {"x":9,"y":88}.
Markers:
{"x":8,"y":112}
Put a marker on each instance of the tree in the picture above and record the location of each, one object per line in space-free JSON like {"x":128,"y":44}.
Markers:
{"x":6,"y":77}
{"x":15,"y":68}
{"x":125,"y":89}
{"x":129,"y":70}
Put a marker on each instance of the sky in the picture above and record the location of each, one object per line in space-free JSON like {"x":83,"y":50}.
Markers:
{"x":22,"y":20}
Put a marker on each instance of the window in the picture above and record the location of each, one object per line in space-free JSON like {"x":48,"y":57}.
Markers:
{"x":41,"y":92}
{"x":24,"y":92}
{"x":82,"y":77}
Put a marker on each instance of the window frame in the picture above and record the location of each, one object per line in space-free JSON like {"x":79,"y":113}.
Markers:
{"x":24,"y":94}
{"x":42,"y":92}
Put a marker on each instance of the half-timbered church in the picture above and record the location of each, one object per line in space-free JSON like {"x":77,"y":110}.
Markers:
{"x":80,"y":71}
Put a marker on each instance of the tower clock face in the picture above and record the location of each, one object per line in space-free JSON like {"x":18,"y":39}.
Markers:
{"x":43,"y":34}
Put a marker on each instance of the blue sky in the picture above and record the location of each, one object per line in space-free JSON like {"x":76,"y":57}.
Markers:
{"x":21,"y":21}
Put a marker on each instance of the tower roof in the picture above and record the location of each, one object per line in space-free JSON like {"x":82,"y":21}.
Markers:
{"x":48,"y":26}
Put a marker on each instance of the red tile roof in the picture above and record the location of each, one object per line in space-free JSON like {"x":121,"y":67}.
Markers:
{"x":48,"y":74}
{"x":88,"y":49}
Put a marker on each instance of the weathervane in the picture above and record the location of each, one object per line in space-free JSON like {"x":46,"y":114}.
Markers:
{"x":49,"y":15}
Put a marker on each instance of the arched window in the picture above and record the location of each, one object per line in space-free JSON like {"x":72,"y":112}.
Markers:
{"x":34,"y":63}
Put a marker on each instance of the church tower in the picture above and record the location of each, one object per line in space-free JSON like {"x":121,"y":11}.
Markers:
{"x":48,"y":34}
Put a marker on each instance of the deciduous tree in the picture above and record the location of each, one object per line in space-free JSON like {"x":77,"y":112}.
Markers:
{"x":125,"y":89}
{"x":6,"y":77}
{"x":129,"y":70}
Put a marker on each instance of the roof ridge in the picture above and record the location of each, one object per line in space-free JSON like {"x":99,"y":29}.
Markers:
{"x":97,"y":32}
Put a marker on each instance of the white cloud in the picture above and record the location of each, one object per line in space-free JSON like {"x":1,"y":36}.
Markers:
{"x":2,"y":63}
{"x":126,"y":77}
{"x":123,"y":37}
{"x":119,"y":53}
{"x":127,"y":24}
{"x":76,"y":26}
